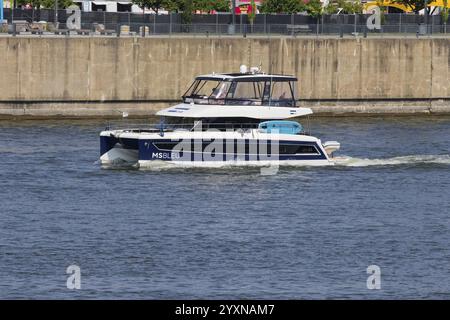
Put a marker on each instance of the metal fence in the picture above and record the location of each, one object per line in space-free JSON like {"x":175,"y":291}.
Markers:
{"x":46,"y":22}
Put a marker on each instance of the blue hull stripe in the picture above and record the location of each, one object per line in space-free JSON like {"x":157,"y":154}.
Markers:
{"x":148,"y":151}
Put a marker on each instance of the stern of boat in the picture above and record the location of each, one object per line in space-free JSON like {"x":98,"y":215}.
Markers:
{"x":330,"y":147}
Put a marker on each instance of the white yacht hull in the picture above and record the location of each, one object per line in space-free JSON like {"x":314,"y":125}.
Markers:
{"x":212,"y":149}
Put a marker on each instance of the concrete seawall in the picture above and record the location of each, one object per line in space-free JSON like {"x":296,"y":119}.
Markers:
{"x":93,"y":76}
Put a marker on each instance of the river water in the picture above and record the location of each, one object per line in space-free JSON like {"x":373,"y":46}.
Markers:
{"x":227,"y":232}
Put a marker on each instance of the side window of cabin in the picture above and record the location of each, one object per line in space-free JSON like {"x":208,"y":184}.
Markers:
{"x":220,"y":92}
{"x":281,"y":93}
{"x":247,"y":92}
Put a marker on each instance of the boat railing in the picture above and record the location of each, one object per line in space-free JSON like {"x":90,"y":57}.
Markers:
{"x":187,"y":127}
{"x":203,"y":126}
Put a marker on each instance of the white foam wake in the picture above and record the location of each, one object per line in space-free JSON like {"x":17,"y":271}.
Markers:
{"x":165,"y":165}
{"x":404,"y":160}
{"x":342,"y":161}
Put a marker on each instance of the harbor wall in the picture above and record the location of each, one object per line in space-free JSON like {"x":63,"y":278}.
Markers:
{"x":103,"y":76}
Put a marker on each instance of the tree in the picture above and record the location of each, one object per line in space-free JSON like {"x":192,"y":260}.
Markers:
{"x":155,"y":5}
{"x":209,"y":5}
{"x":173,"y":5}
{"x":414,"y":5}
{"x":252,"y":13}
{"x":283,"y":6}
{"x":314,"y":8}
{"x":444,"y":11}
{"x":185,"y":6}
{"x":188,"y":8}
{"x":331,"y":8}
{"x":47,"y":4}
{"x":350,"y":6}
{"x":272,"y":6}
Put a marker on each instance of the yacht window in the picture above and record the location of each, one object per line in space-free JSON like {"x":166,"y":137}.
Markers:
{"x":190,"y":91}
{"x":221,"y":91}
{"x":205,"y":88}
{"x":297,"y":149}
{"x":201,"y":91}
{"x":281,"y":93}
{"x":251,"y":92}
{"x":241,"y":146}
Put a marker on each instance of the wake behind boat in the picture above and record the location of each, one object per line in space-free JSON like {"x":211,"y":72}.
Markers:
{"x":224,"y":118}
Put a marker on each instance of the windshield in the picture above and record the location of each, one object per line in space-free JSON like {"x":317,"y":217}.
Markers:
{"x":282,"y":94}
{"x":203,"y":90}
{"x":266,"y":92}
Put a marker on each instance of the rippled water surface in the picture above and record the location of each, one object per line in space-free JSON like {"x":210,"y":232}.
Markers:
{"x":227,"y":232}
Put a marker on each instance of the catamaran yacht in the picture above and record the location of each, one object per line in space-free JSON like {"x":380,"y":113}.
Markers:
{"x":237,"y":119}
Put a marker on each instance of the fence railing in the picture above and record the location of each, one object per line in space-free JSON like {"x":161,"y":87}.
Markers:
{"x":45,"y":22}
{"x":260,"y":19}
{"x":207,"y":30}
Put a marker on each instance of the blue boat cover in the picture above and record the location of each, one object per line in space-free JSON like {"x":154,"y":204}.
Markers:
{"x":281,"y":126}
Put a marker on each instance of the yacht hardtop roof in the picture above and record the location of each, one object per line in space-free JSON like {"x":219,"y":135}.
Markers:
{"x":246,"y":77}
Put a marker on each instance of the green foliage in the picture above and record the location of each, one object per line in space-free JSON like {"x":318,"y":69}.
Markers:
{"x":282,"y":6}
{"x":252,"y":13}
{"x":350,"y":6}
{"x":173,"y":5}
{"x":445,"y":11}
{"x":314,"y":8}
{"x":188,"y":8}
{"x":155,"y":5}
{"x":272,"y":6}
{"x":209,"y":5}
{"x":415,"y":5}
{"x":331,"y":8}
{"x":46,"y":4}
